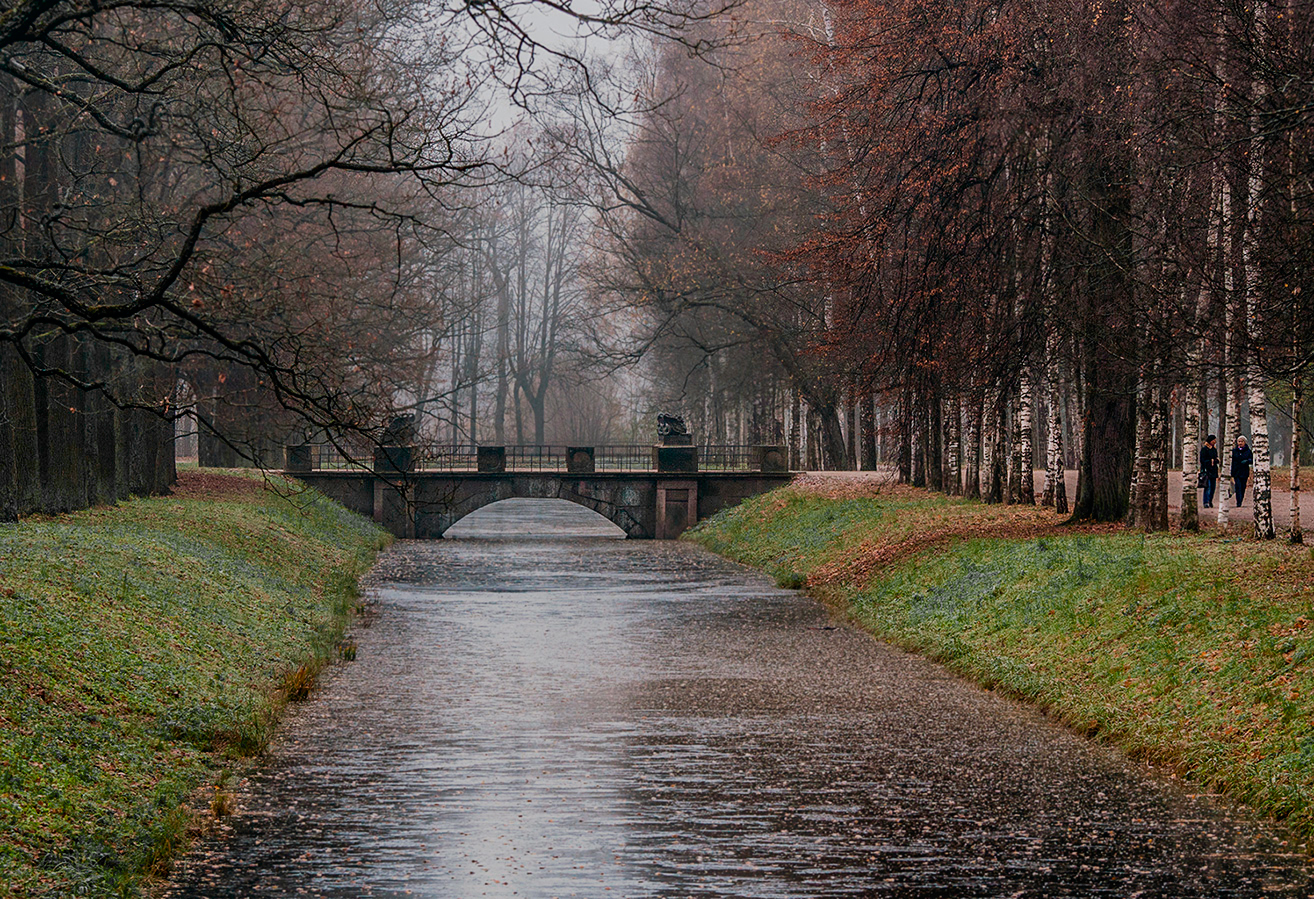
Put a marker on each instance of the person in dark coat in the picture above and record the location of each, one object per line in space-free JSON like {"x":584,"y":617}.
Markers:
{"x":1209,"y":469}
{"x":1242,"y":459}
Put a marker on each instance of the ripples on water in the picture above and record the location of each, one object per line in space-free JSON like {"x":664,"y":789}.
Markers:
{"x":577,"y":715}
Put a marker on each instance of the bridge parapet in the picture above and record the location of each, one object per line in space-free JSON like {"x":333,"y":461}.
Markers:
{"x":672,"y":458}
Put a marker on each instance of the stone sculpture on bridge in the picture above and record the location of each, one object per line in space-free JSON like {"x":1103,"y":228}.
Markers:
{"x":672,"y":431}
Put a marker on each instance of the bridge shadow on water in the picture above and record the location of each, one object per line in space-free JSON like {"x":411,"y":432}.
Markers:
{"x":539,"y":519}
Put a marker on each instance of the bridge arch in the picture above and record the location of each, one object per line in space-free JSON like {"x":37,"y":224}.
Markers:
{"x":440,"y":503}
{"x":522,"y":517}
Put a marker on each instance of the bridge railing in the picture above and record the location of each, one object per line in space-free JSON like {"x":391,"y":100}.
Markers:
{"x":623,"y":457}
{"x":328,"y":457}
{"x":725,"y":458}
{"x":447,"y":458}
{"x":535,"y":458}
{"x":548,"y":459}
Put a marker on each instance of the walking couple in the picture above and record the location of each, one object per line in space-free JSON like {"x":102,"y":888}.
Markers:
{"x":1242,"y":459}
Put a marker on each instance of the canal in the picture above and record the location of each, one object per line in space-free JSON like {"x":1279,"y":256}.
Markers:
{"x":538,"y":709}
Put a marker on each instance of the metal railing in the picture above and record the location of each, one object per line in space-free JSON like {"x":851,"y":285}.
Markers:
{"x":446,"y":458}
{"x":725,"y":458}
{"x":546,"y":459}
{"x":326,"y":457}
{"x":623,"y":457}
{"x":535,"y":458}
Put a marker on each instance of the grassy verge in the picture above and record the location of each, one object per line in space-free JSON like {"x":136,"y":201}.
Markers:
{"x":145,"y":647}
{"x":1192,"y":651}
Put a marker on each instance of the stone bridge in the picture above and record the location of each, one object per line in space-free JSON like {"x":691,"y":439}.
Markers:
{"x":647,"y":491}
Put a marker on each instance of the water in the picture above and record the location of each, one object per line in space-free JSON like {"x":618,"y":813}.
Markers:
{"x":550,"y":716}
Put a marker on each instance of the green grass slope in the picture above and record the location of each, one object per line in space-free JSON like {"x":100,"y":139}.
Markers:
{"x":142,"y":648}
{"x":1190,"y":651}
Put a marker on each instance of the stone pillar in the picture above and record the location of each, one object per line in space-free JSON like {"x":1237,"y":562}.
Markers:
{"x":298,"y":458}
{"x":579,"y":460}
{"x":677,"y":508}
{"x":491,"y":459}
{"x":675,"y":459}
{"x":394,"y":459}
{"x":392,"y":501}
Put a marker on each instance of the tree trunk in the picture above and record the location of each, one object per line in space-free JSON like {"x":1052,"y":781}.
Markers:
{"x":905,"y":435}
{"x":1140,"y":482}
{"x":1197,"y":384}
{"x":851,"y":445}
{"x":972,"y":452}
{"x":1261,"y":470}
{"x":1056,"y":489}
{"x":1014,"y":429}
{"x":1026,"y":447}
{"x":19,"y":487}
{"x":1107,"y":423}
{"x":813,"y":443}
{"x":1191,"y":447}
{"x":1297,"y":401}
{"x":538,"y":405}
{"x":1225,"y":496}
{"x":953,"y":481}
{"x":935,"y":441}
{"x":504,"y":387}
{"x":795,"y":432}
{"x":867,"y":421}
{"x":1160,"y":421}
{"x":59,"y":429}
{"x":994,"y":463}
{"x":917,"y":439}
{"x":99,"y":430}
{"x":1261,"y":473}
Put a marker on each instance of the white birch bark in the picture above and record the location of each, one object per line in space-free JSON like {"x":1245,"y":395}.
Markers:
{"x":1191,"y":455}
{"x":1055,"y":493}
{"x":1157,"y":453}
{"x":1261,"y":470}
{"x":1195,"y":373}
{"x":989,"y":439}
{"x":1026,"y":449}
{"x":1138,"y":507}
{"x":953,"y":484}
{"x":1229,"y":416}
{"x":1013,"y":468}
{"x":1297,"y":400}
{"x":1296,"y":534}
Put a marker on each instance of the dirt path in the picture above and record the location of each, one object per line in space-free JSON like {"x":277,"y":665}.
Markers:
{"x":1240,"y":519}
{"x":1236,"y":516}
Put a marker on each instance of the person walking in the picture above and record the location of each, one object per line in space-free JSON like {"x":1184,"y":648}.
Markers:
{"x":1209,"y":469}
{"x":1242,"y":459}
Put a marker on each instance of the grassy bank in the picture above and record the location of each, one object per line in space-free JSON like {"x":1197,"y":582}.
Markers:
{"x":145,"y":647}
{"x":1194,"y":652}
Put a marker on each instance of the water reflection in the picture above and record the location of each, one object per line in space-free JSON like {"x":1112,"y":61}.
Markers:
{"x":533,"y":518}
{"x":538,"y":716}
